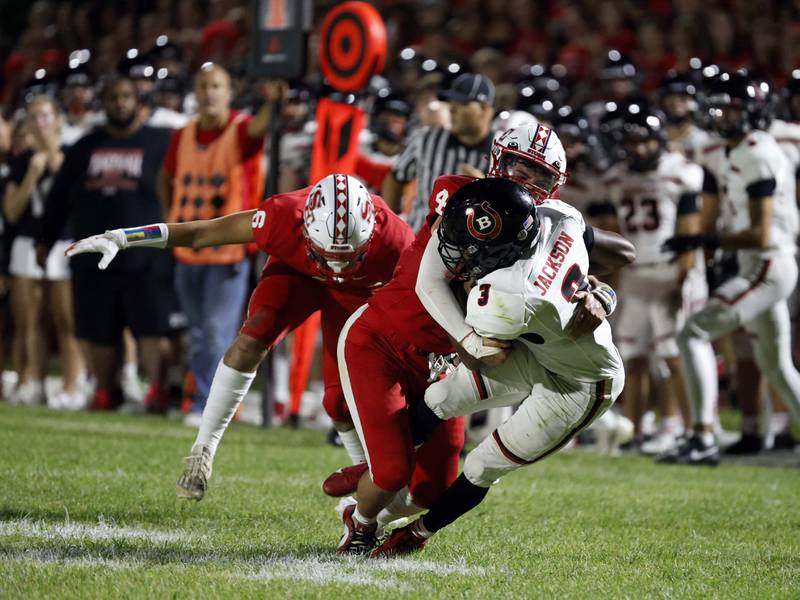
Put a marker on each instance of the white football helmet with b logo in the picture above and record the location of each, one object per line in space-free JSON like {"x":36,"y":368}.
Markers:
{"x":531,"y":155}
{"x":338,"y":224}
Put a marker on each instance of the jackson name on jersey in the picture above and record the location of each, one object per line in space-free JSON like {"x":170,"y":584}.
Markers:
{"x":533,"y":300}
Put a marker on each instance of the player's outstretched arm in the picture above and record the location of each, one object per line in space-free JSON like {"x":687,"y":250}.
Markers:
{"x":610,"y":252}
{"x":232,"y":229}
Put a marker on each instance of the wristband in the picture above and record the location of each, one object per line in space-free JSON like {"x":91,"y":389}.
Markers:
{"x":607,"y":298}
{"x":147,"y":235}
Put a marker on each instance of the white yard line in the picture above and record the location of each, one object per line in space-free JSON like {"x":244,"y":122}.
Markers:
{"x":51,"y":556}
{"x":103,"y":531}
{"x":322,"y":569}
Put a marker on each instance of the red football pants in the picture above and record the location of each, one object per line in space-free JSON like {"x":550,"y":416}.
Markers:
{"x":381,"y":376}
{"x":285,"y":298}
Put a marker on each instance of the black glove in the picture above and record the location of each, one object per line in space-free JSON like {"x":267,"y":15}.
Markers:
{"x":684,"y":243}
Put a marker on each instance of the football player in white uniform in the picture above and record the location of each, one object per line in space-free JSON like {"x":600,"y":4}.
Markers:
{"x":652,"y":196}
{"x":564,"y":374}
{"x":749,"y":206}
{"x":679,"y":103}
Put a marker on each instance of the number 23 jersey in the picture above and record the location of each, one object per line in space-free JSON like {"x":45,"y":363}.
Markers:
{"x":534,"y":299}
{"x":648,"y":204}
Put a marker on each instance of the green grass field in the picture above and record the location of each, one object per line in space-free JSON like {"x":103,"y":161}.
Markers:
{"x":89,"y":511}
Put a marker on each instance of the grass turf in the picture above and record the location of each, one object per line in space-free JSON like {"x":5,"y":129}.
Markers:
{"x":87,"y":510}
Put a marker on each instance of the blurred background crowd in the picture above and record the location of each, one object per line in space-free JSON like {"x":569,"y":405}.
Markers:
{"x":571,"y":64}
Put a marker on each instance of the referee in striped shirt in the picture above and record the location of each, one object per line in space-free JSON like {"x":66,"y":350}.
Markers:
{"x":434,"y":151}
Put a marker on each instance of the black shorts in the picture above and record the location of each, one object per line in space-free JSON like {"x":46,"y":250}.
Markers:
{"x":106,"y":302}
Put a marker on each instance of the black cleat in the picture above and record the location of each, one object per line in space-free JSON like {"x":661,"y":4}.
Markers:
{"x":783,"y":441}
{"x":749,"y":443}
{"x":691,"y":451}
{"x":357,"y":538}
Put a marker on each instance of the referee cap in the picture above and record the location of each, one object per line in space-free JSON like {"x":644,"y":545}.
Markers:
{"x":469,"y":87}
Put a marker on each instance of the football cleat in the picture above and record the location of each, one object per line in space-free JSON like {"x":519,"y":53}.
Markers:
{"x":749,"y":443}
{"x":357,"y":538}
{"x":691,"y":451}
{"x":658,"y":444}
{"x":344,"y":481}
{"x":192,"y":484}
{"x":783,"y":441}
{"x":401,"y":541}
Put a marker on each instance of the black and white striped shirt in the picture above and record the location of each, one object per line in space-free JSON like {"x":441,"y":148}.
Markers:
{"x":430,"y":153}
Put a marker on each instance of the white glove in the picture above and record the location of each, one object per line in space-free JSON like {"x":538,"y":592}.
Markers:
{"x":107,"y":244}
{"x":473,"y":344}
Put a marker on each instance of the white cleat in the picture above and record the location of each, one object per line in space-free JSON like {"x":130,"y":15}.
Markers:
{"x":192,"y":484}
{"x":30,"y":393}
{"x":662,"y":442}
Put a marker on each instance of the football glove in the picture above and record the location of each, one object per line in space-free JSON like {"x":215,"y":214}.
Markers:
{"x":684,"y":243}
{"x":111,"y":242}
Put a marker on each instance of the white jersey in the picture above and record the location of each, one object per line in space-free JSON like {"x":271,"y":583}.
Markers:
{"x":692,"y":143}
{"x":755,"y":159}
{"x":788,"y":137}
{"x":647,"y":203}
{"x":582,"y":189}
{"x":533,"y":300}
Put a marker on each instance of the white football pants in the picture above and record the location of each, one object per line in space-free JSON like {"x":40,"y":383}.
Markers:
{"x":756,"y":300}
{"x":552,"y":410}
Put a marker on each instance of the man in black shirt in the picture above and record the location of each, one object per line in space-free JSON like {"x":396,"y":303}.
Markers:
{"x":107,"y":181}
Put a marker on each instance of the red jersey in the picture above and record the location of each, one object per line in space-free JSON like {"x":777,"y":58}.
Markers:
{"x":278,"y":231}
{"x":398,"y":304}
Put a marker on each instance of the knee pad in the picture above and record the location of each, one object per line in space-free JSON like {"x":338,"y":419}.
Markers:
{"x":334,"y":404}
{"x":486,"y":464}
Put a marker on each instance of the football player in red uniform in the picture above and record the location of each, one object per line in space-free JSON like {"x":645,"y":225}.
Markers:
{"x":330,"y":247}
{"x":417,"y":313}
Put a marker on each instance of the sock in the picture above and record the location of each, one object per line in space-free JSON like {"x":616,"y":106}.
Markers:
{"x":779,"y":422}
{"x":402,"y":505}
{"x":673,"y":424}
{"x":359,"y":518}
{"x":750,"y":425}
{"x":420,"y":529}
{"x":707,"y":438}
{"x":423,"y":422}
{"x":130,"y":370}
{"x":353,"y":446}
{"x":461,"y":497}
{"x":227,"y":390}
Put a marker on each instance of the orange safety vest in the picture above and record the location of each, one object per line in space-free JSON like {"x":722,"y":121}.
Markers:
{"x":209,"y":182}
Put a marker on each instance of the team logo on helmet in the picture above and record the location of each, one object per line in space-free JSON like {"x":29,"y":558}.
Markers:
{"x":484,"y":227}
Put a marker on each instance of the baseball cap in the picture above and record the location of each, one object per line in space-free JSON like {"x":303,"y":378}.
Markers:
{"x":469,"y":87}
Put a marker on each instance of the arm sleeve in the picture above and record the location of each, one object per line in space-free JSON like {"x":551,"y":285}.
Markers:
{"x":435,"y":295}
{"x":763,"y":188}
{"x":687,"y":203}
{"x":588,"y":238}
{"x":262,"y":225}
{"x":709,"y":182}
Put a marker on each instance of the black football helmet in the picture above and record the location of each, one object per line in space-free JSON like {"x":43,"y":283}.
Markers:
{"x":487,"y":225}
{"x":642,"y":124}
{"x":581,"y":144}
{"x":736,"y":104}
{"x":678,"y":97}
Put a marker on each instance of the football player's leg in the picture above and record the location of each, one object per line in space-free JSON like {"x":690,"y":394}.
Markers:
{"x":634,"y":337}
{"x":773,"y":354}
{"x":374,"y":379}
{"x":437,"y":462}
{"x":282,"y":299}
{"x":544,"y":423}
{"x":334,"y":316}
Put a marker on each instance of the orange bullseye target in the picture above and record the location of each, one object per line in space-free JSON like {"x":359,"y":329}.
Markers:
{"x":352,"y":46}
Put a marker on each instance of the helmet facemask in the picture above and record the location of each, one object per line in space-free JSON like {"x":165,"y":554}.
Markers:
{"x":532,"y":173}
